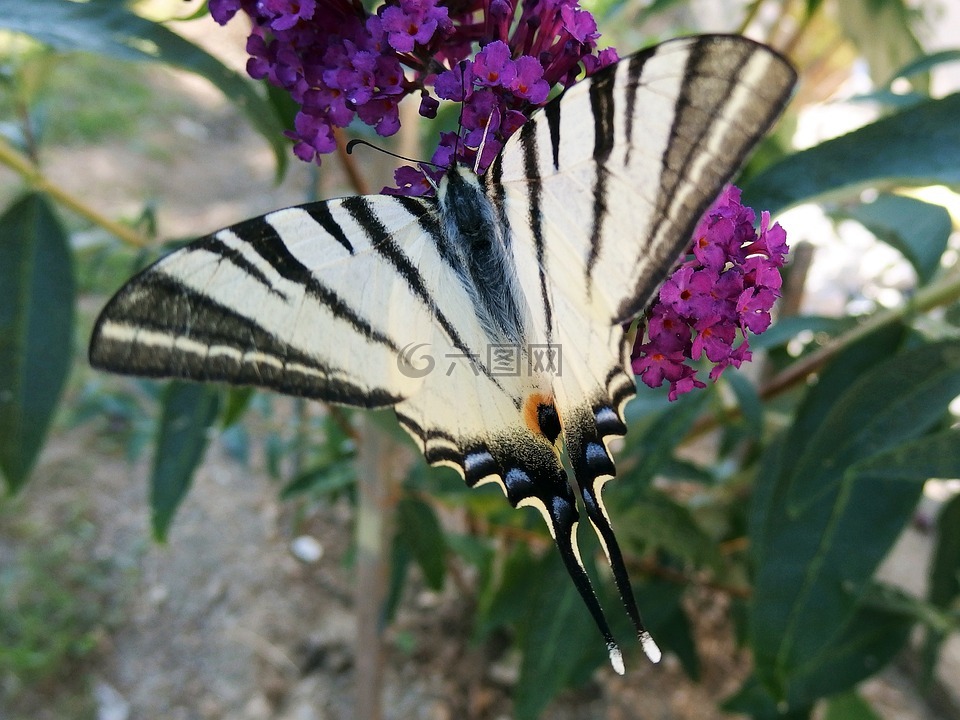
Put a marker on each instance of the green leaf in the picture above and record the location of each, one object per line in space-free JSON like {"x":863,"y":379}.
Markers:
{"x":755,"y":700}
{"x":325,"y":478}
{"x":917,"y":146}
{"x":869,"y":641}
{"x":238,"y":400}
{"x":924,"y":64}
{"x":945,"y":565}
{"x":189,"y":409}
{"x":657,"y":443}
{"x":558,"y":643}
{"x":106,"y":27}
{"x":417,"y":524}
{"x":893,"y":402}
{"x":400,"y":558}
{"x":917,"y":229}
{"x":748,"y":400}
{"x":881,"y":31}
{"x":847,"y":367}
{"x":36,"y":329}
{"x":654,"y":520}
{"x":850,"y":706}
{"x":504,"y":602}
{"x":815,"y":552}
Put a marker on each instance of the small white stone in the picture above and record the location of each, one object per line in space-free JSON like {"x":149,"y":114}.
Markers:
{"x":306,"y":549}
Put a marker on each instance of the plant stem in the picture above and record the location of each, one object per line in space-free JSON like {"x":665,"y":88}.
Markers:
{"x":945,"y":291}
{"x":29,"y":171}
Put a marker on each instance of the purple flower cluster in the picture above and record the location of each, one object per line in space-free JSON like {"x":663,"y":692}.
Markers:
{"x":729,"y":284}
{"x":339,"y":62}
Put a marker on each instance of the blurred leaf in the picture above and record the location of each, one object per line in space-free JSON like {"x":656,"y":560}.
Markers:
{"x":849,"y":706}
{"x":945,"y":565}
{"x":324,"y":478}
{"x":661,"y":603}
{"x":189,"y":409}
{"x":917,"y":146}
{"x":655,"y":521}
{"x":869,"y":641}
{"x":238,"y":400}
{"x":881,"y":31}
{"x":893,"y":599}
{"x":924,"y":64}
{"x":786,"y":329}
{"x":109,"y":28}
{"x":889,"y":404}
{"x":504,"y":602}
{"x":400,"y":558}
{"x":755,"y":700}
{"x":751,"y":407}
{"x":36,"y":330}
{"x":917,"y":229}
{"x":655,"y":7}
{"x":656,"y":444}
{"x":558,"y":641}
{"x":417,"y":524}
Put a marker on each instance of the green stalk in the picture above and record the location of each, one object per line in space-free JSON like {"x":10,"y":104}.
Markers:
{"x":31,"y":173}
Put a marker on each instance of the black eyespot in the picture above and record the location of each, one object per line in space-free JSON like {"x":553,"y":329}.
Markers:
{"x":549,"y":421}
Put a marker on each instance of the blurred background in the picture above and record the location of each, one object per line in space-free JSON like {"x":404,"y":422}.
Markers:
{"x":224,"y":587}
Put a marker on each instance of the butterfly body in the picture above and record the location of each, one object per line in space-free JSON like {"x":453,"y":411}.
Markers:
{"x":514,"y":286}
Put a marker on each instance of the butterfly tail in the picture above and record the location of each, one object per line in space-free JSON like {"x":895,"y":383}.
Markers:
{"x":549,"y":492}
{"x":593,"y":467}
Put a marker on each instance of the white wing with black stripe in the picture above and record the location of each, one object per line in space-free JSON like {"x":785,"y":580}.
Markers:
{"x":516,"y":287}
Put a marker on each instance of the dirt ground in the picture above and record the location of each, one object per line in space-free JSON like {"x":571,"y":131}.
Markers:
{"x":221,"y":622}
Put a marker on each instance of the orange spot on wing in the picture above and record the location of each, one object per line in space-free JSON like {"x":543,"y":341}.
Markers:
{"x":531,"y":408}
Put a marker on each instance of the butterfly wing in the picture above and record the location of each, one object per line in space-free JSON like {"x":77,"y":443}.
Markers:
{"x":601,"y":191}
{"x":324,"y":301}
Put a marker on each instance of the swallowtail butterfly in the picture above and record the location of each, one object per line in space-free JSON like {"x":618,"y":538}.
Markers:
{"x":527,"y":274}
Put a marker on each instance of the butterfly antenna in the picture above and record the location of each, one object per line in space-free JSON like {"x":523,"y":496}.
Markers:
{"x":458,"y":150}
{"x":593,"y":467}
{"x":353,"y":143}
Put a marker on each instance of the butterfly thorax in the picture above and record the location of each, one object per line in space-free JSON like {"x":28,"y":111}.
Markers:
{"x":477,"y":241}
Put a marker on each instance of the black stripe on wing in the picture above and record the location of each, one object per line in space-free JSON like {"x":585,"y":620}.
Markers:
{"x":381,"y":241}
{"x":320,"y":212}
{"x":158,"y":327}
{"x":705,"y":106}
{"x":261,"y":237}
{"x":601,"y":102}
{"x":531,"y":161}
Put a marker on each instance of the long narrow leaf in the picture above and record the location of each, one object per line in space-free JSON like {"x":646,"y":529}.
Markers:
{"x":188,"y":412}
{"x":36,"y":327}
{"x":917,"y":229}
{"x":918,"y":146}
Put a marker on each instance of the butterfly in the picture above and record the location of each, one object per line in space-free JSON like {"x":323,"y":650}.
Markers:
{"x":522,"y":279}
